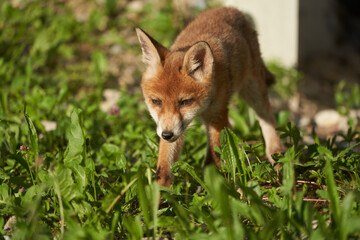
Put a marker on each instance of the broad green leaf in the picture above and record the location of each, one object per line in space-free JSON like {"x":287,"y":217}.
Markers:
{"x":30,"y":194}
{"x":79,"y":174}
{"x":64,"y":184}
{"x":113,"y":152}
{"x":232,"y":155}
{"x":230,"y":152}
{"x":76,"y":140}
{"x":4,"y":193}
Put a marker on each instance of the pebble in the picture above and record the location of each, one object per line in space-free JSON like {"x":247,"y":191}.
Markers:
{"x":49,"y":125}
{"x":331,"y":119}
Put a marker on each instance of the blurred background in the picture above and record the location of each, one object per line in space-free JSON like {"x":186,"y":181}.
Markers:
{"x":89,"y":48}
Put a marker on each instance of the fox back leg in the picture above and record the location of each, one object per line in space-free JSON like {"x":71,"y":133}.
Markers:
{"x":254,"y":91}
{"x":255,"y":94}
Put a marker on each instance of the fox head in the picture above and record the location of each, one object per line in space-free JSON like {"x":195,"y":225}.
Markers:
{"x":177,"y":85}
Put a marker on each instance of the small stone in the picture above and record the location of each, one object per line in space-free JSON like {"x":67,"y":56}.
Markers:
{"x":116,"y":49}
{"x":304,"y":121}
{"x":136,"y":5}
{"x":308,"y":140}
{"x":331,"y":119}
{"x":49,"y":125}
{"x":294,"y":103}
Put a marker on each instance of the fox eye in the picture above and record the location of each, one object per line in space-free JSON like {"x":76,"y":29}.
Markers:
{"x":156,"y":102}
{"x":185,"y":102}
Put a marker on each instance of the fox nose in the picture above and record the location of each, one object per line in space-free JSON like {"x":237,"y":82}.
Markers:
{"x":167,"y":135}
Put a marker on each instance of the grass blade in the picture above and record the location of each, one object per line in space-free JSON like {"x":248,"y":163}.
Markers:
{"x":33,"y":140}
{"x":333,"y":195}
{"x":232,"y":155}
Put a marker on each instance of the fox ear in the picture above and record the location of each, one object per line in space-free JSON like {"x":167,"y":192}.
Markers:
{"x":199,"y":61}
{"x":153,"y":52}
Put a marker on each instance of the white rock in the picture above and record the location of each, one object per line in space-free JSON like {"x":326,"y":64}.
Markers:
{"x":330,"y":119}
{"x":308,"y":140}
{"x":136,"y":5}
{"x":294,"y":103}
{"x":49,"y":125}
{"x":304,"y":121}
{"x":116,"y":49}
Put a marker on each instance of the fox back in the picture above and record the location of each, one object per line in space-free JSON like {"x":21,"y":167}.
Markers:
{"x":216,"y":55}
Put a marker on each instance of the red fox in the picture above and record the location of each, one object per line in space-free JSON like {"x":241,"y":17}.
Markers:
{"x":216,"y":55}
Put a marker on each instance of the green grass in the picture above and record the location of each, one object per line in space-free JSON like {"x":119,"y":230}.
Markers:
{"x":93,"y":176}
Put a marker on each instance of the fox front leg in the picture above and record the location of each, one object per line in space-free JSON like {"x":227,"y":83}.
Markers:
{"x":214,"y":125}
{"x":169,"y":153}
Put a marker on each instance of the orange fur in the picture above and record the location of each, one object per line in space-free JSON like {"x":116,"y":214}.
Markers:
{"x":216,"y":55}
